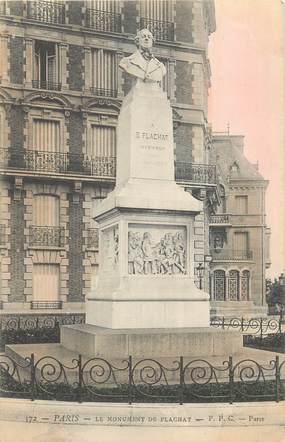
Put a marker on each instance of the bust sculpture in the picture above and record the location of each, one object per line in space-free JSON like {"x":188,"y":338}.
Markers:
{"x":142,"y":63}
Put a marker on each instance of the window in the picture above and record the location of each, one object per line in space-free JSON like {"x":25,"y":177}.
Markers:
{"x":46,"y":135}
{"x":104,"y":73}
{"x":157,"y":16}
{"x":46,"y":282}
{"x":47,"y":11}
{"x":241,"y":204}
{"x":45,"y":230}
{"x":219,"y":285}
{"x":233,"y":285}
{"x":241,"y":241}
{"x":103,"y":15}
{"x":102,"y":141}
{"x":244,"y":287}
{"x":46,"y":66}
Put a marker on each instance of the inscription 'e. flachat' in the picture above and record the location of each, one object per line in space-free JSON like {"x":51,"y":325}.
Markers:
{"x":151,"y":136}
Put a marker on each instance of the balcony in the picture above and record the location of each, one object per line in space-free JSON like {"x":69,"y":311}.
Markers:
{"x":47,"y":85}
{"x":2,"y":235}
{"x":67,"y":163}
{"x":103,"y":21}
{"x":195,"y":173}
{"x":93,"y":239}
{"x":161,"y":30}
{"x":112,"y":93}
{"x":43,"y":305}
{"x":231,"y":255}
{"x":45,"y":11}
{"x":46,"y":236}
{"x":220,"y":219}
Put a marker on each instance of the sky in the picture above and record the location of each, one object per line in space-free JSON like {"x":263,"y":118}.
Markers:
{"x":247,"y":56}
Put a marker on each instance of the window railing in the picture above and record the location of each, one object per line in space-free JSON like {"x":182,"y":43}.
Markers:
{"x":220,"y":218}
{"x":43,"y":161}
{"x":92,"y":238}
{"x":104,"y":92}
{"x":45,"y":11}
{"x":196,"y":173}
{"x":2,"y":235}
{"x":231,"y":255}
{"x":103,"y":21}
{"x":161,"y":30}
{"x":46,"y":236}
{"x":43,"y":305}
{"x":47,"y":85}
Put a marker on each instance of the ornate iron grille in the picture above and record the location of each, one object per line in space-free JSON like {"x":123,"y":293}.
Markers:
{"x":93,"y":238}
{"x":49,"y":12}
{"x":103,"y":21}
{"x":231,"y":255}
{"x":161,"y":30}
{"x":244,"y":285}
{"x":233,"y":285}
{"x":47,"y":85}
{"x":46,"y":236}
{"x":222,"y":218}
{"x":38,"y":305}
{"x":35,"y":160}
{"x":197,"y":173}
{"x":219,"y":285}
{"x":2,"y":235}
{"x":104,"y":92}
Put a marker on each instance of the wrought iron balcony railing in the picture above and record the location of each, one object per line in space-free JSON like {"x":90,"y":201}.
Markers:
{"x":231,"y":255}
{"x":104,"y":92}
{"x":103,"y":21}
{"x":42,"y":161}
{"x":2,"y":235}
{"x":46,"y":236}
{"x":46,"y":11}
{"x":162,"y":30}
{"x":196,"y":173}
{"x":220,"y":218}
{"x":43,"y":305}
{"x":92,"y":238}
{"x":47,"y":85}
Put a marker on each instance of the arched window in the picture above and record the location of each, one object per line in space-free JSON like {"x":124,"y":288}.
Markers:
{"x":219,"y":285}
{"x":244,"y":287}
{"x":233,"y":292}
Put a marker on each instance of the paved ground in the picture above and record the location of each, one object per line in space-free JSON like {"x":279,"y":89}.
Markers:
{"x":149,"y":423}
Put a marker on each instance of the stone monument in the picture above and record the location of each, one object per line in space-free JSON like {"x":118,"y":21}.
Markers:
{"x":145,"y":300}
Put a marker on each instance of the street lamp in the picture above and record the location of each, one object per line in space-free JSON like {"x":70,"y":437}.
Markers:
{"x":200,"y":272}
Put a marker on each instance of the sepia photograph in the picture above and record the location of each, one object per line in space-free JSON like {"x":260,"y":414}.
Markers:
{"x":142,"y":220}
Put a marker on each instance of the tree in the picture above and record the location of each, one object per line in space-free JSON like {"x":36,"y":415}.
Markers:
{"x":276,"y":296}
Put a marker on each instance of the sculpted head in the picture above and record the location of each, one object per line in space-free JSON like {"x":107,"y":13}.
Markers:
{"x":144,"y":39}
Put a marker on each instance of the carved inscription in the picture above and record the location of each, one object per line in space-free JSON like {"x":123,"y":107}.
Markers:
{"x":152,"y":137}
{"x":156,"y":252}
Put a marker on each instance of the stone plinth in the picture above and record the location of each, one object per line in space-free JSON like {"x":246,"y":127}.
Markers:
{"x":146,"y":231}
{"x":158,"y":343}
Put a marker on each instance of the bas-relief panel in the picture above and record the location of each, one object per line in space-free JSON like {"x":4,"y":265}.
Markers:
{"x":110,"y":248}
{"x":157,"y":250}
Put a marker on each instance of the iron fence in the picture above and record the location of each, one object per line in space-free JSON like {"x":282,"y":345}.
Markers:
{"x":38,"y":305}
{"x":196,"y":173}
{"x":103,"y":21}
{"x":161,"y":30}
{"x":44,"y":161}
{"x":104,"y":92}
{"x":28,"y":322}
{"x":231,"y":255}
{"x":142,"y":380}
{"x":46,"y":236}
{"x":253,"y":326}
{"x":220,"y":218}
{"x":46,"y":11}
{"x":48,"y":85}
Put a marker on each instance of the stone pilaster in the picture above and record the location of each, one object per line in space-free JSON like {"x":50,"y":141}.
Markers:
{"x":63,"y":65}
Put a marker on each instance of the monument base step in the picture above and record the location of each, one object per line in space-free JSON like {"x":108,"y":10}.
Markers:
{"x":237,"y":309}
{"x":96,"y":341}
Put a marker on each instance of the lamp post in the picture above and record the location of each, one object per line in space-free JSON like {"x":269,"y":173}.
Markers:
{"x":200,"y":272}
